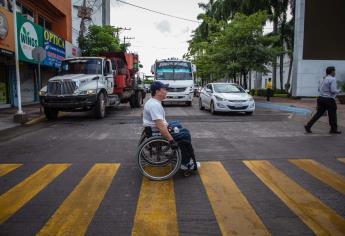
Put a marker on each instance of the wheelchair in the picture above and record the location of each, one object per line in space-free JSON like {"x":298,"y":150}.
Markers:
{"x":156,"y":159}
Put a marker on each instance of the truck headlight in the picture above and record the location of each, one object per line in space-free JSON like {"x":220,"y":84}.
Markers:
{"x":86,"y":92}
{"x":42,"y":93}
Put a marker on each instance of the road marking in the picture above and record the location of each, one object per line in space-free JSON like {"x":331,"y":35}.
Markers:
{"x":156,"y":210}
{"x":341,"y":160}
{"x":322,"y":173}
{"x":76,"y":212}
{"x":321,"y":219}
{"x":233,"y":212}
{"x":19,"y":195}
{"x":7,"y":168}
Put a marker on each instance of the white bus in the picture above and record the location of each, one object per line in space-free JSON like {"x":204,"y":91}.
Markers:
{"x":179,"y":75}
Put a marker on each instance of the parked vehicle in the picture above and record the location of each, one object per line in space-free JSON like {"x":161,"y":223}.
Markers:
{"x":226,"y":97}
{"x":179,"y":75}
{"x":93,"y":83}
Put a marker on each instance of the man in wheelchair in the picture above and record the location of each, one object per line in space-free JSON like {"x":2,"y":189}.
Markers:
{"x":178,"y":137}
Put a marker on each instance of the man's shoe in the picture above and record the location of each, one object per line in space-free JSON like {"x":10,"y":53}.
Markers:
{"x":307,"y":129}
{"x":335,"y":132}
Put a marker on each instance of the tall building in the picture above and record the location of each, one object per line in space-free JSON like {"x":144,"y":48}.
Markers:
{"x":41,"y":23}
{"x":100,"y":15}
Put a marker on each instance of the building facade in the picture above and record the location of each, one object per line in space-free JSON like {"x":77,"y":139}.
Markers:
{"x":100,"y":15}
{"x":43,"y":23}
{"x":319,"y":43}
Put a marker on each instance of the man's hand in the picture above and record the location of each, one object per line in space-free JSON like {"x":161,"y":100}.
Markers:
{"x":173,"y":144}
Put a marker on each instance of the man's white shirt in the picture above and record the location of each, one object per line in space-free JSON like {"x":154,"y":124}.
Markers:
{"x":153,"y":110}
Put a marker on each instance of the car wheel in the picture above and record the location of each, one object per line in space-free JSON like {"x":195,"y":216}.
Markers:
{"x":249,"y":113}
{"x":200,"y":105}
{"x":100,"y":107}
{"x":213,"y":112}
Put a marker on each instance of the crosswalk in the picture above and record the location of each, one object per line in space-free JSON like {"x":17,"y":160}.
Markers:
{"x":156,"y":208}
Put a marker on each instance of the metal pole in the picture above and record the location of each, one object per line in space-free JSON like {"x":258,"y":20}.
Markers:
{"x":14,"y":9}
{"x":39,"y":84}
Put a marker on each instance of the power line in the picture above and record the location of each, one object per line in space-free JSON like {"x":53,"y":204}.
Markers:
{"x":157,"y":12}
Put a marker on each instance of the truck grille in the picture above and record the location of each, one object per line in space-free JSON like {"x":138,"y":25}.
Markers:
{"x":174,"y":90}
{"x":61,"y":87}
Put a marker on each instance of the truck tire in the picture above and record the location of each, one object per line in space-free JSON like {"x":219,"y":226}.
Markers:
{"x":136,"y":100}
{"x":51,"y":113}
{"x":100,"y":106}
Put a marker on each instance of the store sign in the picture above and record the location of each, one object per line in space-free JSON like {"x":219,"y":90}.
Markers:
{"x":6,"y":32}
{"x":30,"y":36}
{"x":55,"y":48}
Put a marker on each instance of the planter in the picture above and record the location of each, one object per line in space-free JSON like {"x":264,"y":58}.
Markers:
{"x":341,"y":98}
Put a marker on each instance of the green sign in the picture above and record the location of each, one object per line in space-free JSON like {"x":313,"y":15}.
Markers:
{"x":30,"y":36}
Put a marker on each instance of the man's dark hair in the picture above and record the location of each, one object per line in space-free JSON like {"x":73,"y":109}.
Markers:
{"x":269,"y":79}
{"x":330,"y":70}
{"x":153,"y":93}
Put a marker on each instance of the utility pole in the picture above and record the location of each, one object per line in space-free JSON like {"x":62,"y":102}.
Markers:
{"x":124,"y":39}
{"x":20,"y":116}
{"x":118,"y":29}
{"x":85,"y":14}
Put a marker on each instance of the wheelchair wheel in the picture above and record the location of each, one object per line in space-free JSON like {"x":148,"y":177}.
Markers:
{"x":156,"y":160}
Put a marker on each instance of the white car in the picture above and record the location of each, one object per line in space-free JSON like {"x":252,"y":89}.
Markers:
{"x":226,"y":97}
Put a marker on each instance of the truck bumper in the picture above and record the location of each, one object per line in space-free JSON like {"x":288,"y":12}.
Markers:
{"x":175,"y":97}
{"x":69,"y":102}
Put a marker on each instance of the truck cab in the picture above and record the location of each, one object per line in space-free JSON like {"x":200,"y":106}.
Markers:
{"x":83,"y":83}
{"x":179,"y":75}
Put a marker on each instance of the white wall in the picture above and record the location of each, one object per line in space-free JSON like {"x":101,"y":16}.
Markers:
{"x":307,"y":73}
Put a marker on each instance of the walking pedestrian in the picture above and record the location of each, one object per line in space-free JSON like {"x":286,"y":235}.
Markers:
{"x":326,"y":102}
{"x":269,"y":89}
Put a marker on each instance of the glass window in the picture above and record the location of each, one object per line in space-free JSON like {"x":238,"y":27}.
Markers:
{"x":228,"y":88}
{"x":44,"y":23}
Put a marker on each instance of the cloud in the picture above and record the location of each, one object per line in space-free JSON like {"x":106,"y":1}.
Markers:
{"x":163,"y":26}
{"x":185,"y":30}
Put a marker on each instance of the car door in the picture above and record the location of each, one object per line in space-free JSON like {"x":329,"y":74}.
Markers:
{"x":208,"y":95}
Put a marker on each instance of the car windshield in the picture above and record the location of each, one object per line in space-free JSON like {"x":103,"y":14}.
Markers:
{"x":81,"y":66}
{"x":173,"y":70}
{"x":228,"y":88}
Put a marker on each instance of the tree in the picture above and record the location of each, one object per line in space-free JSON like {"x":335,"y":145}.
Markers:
{"x":100,"y":39}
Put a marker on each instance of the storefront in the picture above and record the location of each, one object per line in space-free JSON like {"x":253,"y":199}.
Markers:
{"x":31,"y":36}
{"x":6,"y":57}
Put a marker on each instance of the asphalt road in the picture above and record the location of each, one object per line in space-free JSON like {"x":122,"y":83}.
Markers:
{"x":260,"y":175}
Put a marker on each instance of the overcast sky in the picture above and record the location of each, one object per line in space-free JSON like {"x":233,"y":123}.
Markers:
{"x":156,"y":36}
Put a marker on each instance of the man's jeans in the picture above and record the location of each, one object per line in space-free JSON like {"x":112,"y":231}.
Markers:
{"x":184,"y":140}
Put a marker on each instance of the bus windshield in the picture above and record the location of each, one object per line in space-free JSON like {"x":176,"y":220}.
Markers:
{"x":173,"y":70}
{"x":81,"y":66}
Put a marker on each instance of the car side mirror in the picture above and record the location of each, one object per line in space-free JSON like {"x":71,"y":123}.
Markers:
{"x":208,"y":90}
{"x":247,"y":91}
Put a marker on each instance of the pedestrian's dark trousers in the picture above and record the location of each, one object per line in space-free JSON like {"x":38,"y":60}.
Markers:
{"x":184,"y":140}
{"x":268,"y":94}
{"x":325,"y":104}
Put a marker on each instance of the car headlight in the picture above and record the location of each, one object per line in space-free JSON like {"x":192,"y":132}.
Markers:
{"x":250,"y":99}
{"x":42,"y":93}
{"x":219,"y":98}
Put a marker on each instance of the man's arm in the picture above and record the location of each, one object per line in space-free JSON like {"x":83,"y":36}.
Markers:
{"x":163,"y":130}
{"x":333,"y":86}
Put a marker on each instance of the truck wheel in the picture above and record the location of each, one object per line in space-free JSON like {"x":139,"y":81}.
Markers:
{"x":136,"y":100}
{"x":132,"y":101}
{"x":51,"y":113}
{"x":100,"y":106}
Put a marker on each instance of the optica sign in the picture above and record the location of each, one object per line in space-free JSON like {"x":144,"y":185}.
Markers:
{"x":55,"y":48}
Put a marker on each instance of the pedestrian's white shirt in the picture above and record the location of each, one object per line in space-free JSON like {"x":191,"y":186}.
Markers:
{"x":153,"y":110}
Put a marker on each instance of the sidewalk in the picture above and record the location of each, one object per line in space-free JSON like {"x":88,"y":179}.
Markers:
{"x":6,"y":116}
{"x":304,"y":107}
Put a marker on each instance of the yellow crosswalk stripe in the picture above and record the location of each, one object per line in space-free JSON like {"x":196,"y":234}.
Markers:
{"x":322,"y":173}
{"x":321,"y":219}
{"x":7,"y":168}
{"x":342,"y":160}
{"x":233,"y":212}
{"x":76,"y":212}
{"x":156,"y":210}
{"x":18,"y":196}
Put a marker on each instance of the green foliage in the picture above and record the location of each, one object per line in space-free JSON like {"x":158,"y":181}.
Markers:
{"x":234,"y":47}
{"x":100,"y":39}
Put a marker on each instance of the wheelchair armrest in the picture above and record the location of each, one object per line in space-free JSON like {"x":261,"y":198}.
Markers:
{"x":148,"y":131}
